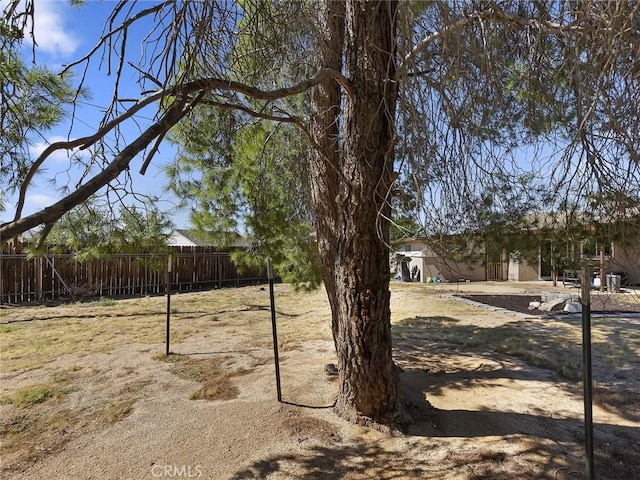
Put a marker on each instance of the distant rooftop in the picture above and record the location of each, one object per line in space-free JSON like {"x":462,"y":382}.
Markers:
{"x":183,"y":237}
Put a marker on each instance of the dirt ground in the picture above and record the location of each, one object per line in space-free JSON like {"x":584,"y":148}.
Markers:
{"x":86,"y":391}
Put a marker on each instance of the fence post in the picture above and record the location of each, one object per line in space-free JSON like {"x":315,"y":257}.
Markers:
{"x":587,"y":371}
{"x":38,"y":278}
{"x":168,"y":305}
{"x":274,"y":330}
{"x":1,"y":276}
{"x":218,"y":270}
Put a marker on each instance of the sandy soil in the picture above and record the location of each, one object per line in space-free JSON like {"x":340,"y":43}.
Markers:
{"x":493,"y":416}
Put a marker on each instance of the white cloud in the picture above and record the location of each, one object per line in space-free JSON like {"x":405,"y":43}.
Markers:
{"x":38,"y":201}
{"x":59,"y":156}
{"x":33,"y":203}
{"x":52,"y":34}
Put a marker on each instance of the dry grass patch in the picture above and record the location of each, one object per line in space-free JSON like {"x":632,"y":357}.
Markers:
{"x":217,"y":388}
{"x":38,"y":422}
{"x":557,"y":353}
{"x":214,"y":374}
{"x":34,"y":336}
{"x":409,"y":300}
{"x":31,"y":431}
{"x":37,"y":336}
{"x":304,"y":427}
{"x":59,"y":385}
{"x":37,"y":343}
{"x":38,"y":419}
{"x":5,"y":329}
{"x":115,"y":411}
{"x":39,"y":393}
{"x":29,"y":434}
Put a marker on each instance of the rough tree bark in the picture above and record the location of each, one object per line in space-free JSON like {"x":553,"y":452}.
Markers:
{"x":351,"y":179}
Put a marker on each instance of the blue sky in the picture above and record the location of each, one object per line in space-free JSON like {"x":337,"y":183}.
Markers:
{"x":63,"y":35}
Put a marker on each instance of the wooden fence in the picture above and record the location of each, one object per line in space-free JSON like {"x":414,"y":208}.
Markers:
{"x":494,"y":271}
{"x":52,"y":276}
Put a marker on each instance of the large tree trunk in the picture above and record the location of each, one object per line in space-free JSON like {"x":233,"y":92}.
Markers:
{"x":351,"y":181}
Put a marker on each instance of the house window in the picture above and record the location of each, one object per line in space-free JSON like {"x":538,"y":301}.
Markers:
{"x":591,"y":249}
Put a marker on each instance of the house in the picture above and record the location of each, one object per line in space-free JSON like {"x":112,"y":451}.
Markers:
{"x":613,"y":257}
{"x":418,"y":255}
{"x":194,"y":238}
{"x":482,"y":262}
{"x":565,"y":240}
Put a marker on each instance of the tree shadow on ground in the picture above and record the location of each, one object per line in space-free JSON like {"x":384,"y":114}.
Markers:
{"x":430,"y":350}
{"x":483,"y":352}
{"x":493,"y":459}
{"x":457,"y":443}
{"x":419,"y":461}
{"x":433,"y":422}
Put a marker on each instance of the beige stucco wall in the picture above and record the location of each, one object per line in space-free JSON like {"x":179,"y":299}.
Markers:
{"x":521,"y":271}
{"x":430,"y":264}
{"x":452,"y":271}
{"x":626,"y":260}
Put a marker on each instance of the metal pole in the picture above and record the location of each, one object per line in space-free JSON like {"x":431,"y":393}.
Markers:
{"x":587,"y":371}
{"x":168,"y":305}
{"x":273,"y":329}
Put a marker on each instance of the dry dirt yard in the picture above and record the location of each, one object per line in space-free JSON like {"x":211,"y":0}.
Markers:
{"x":86,"y":391}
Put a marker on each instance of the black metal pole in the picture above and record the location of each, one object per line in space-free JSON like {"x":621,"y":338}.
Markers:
{"x":587,"y":371}
{"x":274,"y":329}
{"x":168,"y":306}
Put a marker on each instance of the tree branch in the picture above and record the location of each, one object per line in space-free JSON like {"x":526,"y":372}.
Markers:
{"x":253,"y":113}
{"x":120,"y":163}
{"x":124,"y":26}
{"x":83,"y":143}
{"x":296,"y":121}
{"x":490,"y":14}
{"x":432,"y":37}
{"x":205,"y":84}
{"x":213,"y":83}
{"x":160,"y":138}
